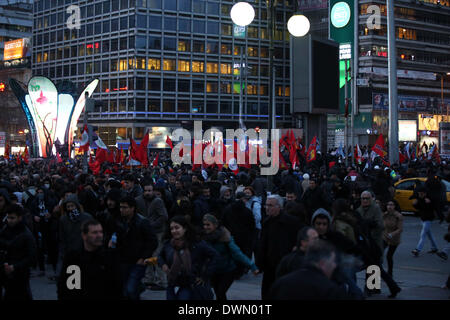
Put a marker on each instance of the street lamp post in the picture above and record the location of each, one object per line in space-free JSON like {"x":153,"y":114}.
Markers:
{"x":242,"y":14}
{"x":392,"y":70}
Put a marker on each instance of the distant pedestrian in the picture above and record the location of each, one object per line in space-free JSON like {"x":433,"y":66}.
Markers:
{"x":393,"y":228}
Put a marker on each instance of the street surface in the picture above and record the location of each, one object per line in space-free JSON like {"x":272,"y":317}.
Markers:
{"x":419,"y":277}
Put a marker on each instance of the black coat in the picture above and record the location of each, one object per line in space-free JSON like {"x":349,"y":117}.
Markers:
{"x":100,"y":276}
{"x":239,"y":220}
{"x":291,"y":262}
{"x":19,"y":248}
{"x":278,"y":237}
{"x":308,"y":283}
{"x":313,"y":200}
{"x":135,"y":240}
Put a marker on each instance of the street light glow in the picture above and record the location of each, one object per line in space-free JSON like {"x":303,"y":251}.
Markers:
{"x":298,"y":25}
{"x":242,"y":14}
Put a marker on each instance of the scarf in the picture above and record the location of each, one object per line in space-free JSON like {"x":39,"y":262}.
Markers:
{"x":181,"y":260}
{"x":219,"y":235}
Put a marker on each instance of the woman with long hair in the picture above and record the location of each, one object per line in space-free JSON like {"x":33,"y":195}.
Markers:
{"x":188,"y":262}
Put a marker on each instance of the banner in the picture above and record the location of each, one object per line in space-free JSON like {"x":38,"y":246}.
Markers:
{"x":380,"y":101}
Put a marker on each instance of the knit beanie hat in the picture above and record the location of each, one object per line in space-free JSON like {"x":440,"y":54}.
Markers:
{"x":321,"y":212}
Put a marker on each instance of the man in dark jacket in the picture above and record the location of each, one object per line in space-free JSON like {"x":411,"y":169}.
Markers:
{"x":99,"y":268}
{"x":294,"y":260}
{"x":313,"y":282}
{"x":69,"y":228}
{"x":136,"y":242}
{"x":17,"y":255}
{"x":278,"y":237}
{"x":239,"y":220}
{"x":314,"y":198}
{"x":201,"y":206}
{"x":154,"y":209}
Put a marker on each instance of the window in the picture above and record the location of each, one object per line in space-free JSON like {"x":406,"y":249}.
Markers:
{"x":184,"y":85}
{"x":213,"y":8}
{"x":198,"y":86}
{"x":170,"y":5}
{"x":199,"y":6}
{"x":154,"y":84}
{"x":198,"y":46}
{"x":198,"y":66}
{"x":225,"y":106}
{"x":142,"y":21}
{"x":225,"y":29}
{"x":154,"y":105}
{"x":211,"y":87}
{"x":225,"y":68}
{"x":140,"y":105}
{"x":252,"y":32}
{"x":106,"y":26}
{"x":213,"y":27}
{"x":155,"y":22}
{"x":184,"y":5}
{"x":89,"y":67}
{"x":225,"y":49}
{"x":105,"y":66}
{"x":184,"y":65}
{"x":124,"y":43}
{"x":183,"y":106}
{"x":225,"y":87}
{"x":407,"y":185}
{"x":169,"y":65}
{"x":154,"y":64}
{"x":199,"y":26}
{"x":184,"y":45}
{"x":184,"y":25}
{"x":212,"y":47}
{"x":170,"y":24}
{"x":141,"y":63}
{"x":169,"y":106}
{"x":170,"y":44}
{"x":140,"y":84}
{"x":105,"y":46}
{"x":252,"y":51}
{"x":154,"y":42}
{"x":114,"y":45}
{"x":212,"y":67}
{"x":114,"y":24}
{"x":141,"y":42}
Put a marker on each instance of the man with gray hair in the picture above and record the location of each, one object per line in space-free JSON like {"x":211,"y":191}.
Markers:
{"x":278,"y":238}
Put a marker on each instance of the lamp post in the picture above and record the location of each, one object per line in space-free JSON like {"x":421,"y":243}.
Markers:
{"x":242,"y":14}
{"x":392,"y":71}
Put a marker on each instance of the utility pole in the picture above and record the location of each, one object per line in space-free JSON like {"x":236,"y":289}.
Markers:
{"x":346,"y":115}
{"x":392,"y":70}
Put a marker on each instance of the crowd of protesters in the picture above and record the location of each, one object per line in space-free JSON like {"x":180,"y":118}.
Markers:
{"x":193,"y":233}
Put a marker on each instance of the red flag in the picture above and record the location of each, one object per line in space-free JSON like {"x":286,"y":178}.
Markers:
{"x":169,"y":142}
{"x":6,"y":155}
{"x":84,"y":143}
{"x":331,"y":164}
{"x":25,"y":155}
{"x":134,"y":150}
{"x":155,"y":162}
{"x":386,"y":163}
{"x":110,"y":157}
{"x":18,"y":159}
{"x":311,"y":154}
{"x":101,"y":155}
{"x":58,"y":157}
{"x":142,"y":153}
{"x":379,"y":148}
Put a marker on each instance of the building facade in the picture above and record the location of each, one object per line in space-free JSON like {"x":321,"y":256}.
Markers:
{"x":165,"y":63}
{"x":15,"y":23}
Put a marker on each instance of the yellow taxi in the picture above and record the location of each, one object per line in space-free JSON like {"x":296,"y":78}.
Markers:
{"x":405,"y":188}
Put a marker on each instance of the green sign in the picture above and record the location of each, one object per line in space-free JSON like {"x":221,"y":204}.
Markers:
{"x":340,"y":14}
{"x":239,"y":32}
{"x":341,"y":30}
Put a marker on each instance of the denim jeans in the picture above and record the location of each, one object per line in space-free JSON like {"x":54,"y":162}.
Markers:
{"x":132,"y":275}
{"x":426,"y":231}
{"x":183,"y":293}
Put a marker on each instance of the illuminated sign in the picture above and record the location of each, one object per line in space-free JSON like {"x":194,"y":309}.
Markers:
{"x":2,"y":87}
{"x":429,"y":122}
{"x":340,"y":14}
{"x":407,"y":130}
{"x":14,"y":49}
{"x":345,"y":51}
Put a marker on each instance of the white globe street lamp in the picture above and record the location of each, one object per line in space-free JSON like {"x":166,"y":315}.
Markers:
{"x":298,"y":25}
{"x":242,"y":14}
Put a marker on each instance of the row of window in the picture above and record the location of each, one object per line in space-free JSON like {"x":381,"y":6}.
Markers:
{"x":405,"y":54}
{"x":410,"y":14}
{"x":195,"y":107}
{"x":409,"y":34}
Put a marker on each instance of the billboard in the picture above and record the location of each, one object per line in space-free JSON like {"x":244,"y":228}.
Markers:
{"x":407,"y":130}
{"x":380,"y":101}
{"x":15,"y":49}
{"x":429,"y":122}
